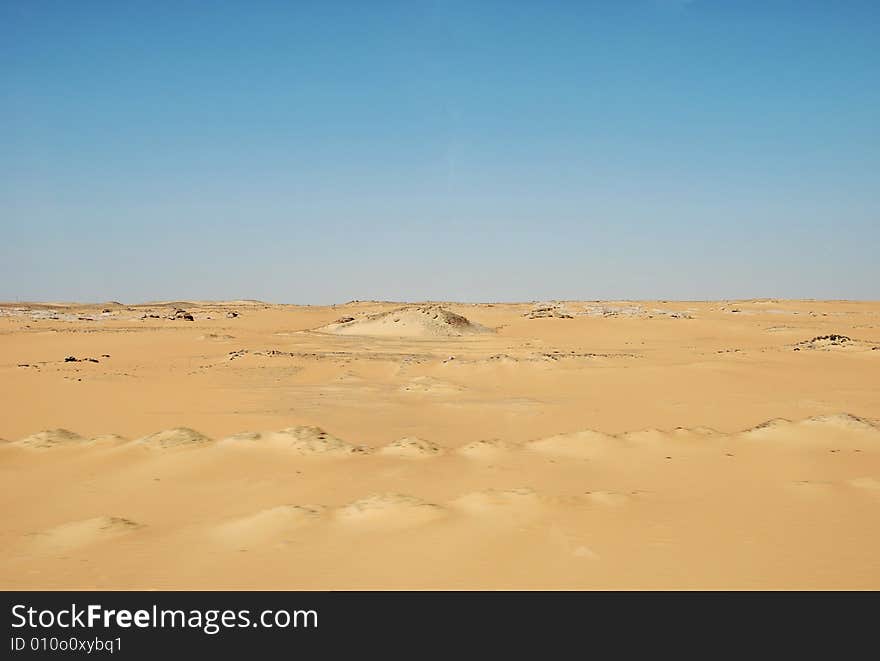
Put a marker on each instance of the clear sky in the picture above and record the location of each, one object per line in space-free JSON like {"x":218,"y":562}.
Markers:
{"x":316,"y":152}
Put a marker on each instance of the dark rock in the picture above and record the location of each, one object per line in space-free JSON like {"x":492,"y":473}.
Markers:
{"x":833,"y":337}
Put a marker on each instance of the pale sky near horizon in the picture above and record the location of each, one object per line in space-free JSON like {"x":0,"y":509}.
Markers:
{"x":317,"y":152}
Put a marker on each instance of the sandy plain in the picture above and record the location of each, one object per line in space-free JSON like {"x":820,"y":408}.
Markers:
{"x":561,"y":445}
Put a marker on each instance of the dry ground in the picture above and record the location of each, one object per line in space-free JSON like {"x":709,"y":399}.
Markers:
{"x":562,"y":445}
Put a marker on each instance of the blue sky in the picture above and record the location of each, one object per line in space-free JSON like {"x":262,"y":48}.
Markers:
{"x":317,"y":152}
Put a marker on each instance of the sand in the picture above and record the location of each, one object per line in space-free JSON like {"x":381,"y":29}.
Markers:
{"x":561,"y":445}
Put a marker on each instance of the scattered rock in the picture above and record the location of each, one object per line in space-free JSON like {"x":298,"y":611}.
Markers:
{"x":231,"y":315}
{"x":833,"y":337}
{"x":550,"y":310}
{"x":74,"y":359}
{"x":614,"y":311}
{"x":825,"y":342}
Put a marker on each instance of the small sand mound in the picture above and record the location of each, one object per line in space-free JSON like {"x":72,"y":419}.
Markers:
{"x":768,"y":429}
{"x":268,"y":524}
{"x":818,"y":431}
{"x":843,"y":421}
{"x":409,"y":321}
{"x":51,"y":438}
{"x":582,"y":444}
{"x":646,"y":436}
{"x":486,"y":448}
{"x":179,"y":437}
{"x":304,"y":440}
{"x":77,"y":534}
{"x":410,"y":447}
{"x":659,"y":436}
{"x":389,"y":510}
{"x":501,"y":506}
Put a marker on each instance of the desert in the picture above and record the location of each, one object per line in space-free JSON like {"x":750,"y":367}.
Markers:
{"x":440,"y":445}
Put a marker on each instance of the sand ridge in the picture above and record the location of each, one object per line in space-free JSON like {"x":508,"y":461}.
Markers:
{"x":568,"y":498}
{"x":312,"y":440}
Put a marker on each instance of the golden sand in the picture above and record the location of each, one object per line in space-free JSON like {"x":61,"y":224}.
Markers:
{"x":375,"y":445}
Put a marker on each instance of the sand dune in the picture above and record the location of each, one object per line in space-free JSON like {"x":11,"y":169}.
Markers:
{"x":62,"y":438}
{"x":549,"y":497}
{"x":486,"y":448}
{"x":825,"y":430}
{"x":408,"y":321}
{"x":51,"y":438}
{"x":583,"y":445}
{"x":79,"y":534}
{"x":389,"y":510}
{"x":179,"y":437}
{"x":306,"y":440}
{"x":501,"y":505}
{"x":587,"y":445}
{"x":416,"y":448}
{"x":266,"y":526}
